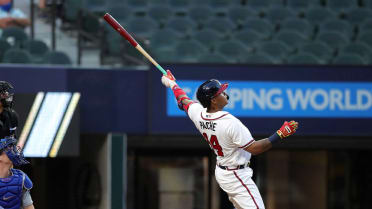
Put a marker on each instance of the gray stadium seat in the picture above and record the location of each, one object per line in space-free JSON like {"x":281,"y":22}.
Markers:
{"x":164,"y":39}
{"x":342,"y":5}
{"x":15,"y":33}
{"x":278,"y":14}
{"x":190,"y":50}
{"x":293,"y":39}
{"x":349,"y":59}
{"x":71,"y":9}
{"x":318,"y":49}
{"x":259,"y":58}
{"x":264,"y":27}
{"x":142,"y":27}
{"x":358,"y":48}
{"x":304,"y":58}
{"x":208,"y":37}
{"x":337,"y":25}
{"x":233,"y":50}
{"x":317,"y":15}
{"x":335,"y":40}
{"x":18,"y":56}
{"x":366,"y":37}
{"x":221,"y":25}
{"x":248,"y":37}
{"x":365,"y":26}
{"x":357,"y":15}
{"x":277,"y":50}
{"x":299,"y":25}
{"x":165,"y":56}
{"x":95,"y":5}
{"x":36,"y":48}
{"x":200,"y":14}
{"x":183,"y":25}
{"x":4,"y":46}
{"x":160,"y":13}
{"x":238,"y":14}
{"x":120,"y":13}
{"x":56,"y":58}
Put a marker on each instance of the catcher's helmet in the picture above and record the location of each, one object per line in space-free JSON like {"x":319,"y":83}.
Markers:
{"x":6,"y":97}
{"x":208,"y":90}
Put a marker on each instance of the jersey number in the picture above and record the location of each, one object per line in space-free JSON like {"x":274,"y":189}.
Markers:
{"x":213,"y":143}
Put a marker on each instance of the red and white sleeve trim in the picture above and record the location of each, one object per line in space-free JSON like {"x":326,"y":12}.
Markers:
{"x":247,"y":145}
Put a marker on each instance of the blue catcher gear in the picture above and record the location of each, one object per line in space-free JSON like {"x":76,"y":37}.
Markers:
{"x":9,"y":146}
{"x":11,"y":189}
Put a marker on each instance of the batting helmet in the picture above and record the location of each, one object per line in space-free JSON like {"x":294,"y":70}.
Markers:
{"x":208,"y":90}
{"x":6,"y":98}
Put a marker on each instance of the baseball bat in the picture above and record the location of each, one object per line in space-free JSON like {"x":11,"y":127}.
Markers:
{"x":131,"y":40}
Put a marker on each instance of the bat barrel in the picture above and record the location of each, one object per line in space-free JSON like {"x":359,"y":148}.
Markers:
{"x":120,"y":29}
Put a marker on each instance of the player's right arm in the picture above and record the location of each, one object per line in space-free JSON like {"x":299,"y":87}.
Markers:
{"x":183,"y":100}
{"x":260,"y":146}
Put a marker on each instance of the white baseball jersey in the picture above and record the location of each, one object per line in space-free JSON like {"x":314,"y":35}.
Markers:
{"x":225,"y":134}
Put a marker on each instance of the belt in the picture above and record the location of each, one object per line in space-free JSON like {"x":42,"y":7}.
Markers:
{"x":236,"y":168}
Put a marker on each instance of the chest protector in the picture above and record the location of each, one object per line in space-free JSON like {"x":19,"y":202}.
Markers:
{"x":11,"y":189}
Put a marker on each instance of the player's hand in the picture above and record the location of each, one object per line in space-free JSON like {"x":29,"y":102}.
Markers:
{"x":168,"y":80}
{"x":287,"y":129}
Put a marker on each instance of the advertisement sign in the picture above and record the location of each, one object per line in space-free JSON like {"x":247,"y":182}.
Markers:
{"x":288,"y":99}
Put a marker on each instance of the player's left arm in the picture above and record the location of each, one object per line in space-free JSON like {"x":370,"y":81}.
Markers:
{"x":183,"y":100}
{"x":260,"y":146}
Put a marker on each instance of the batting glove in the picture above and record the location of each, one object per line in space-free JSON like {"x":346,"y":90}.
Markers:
{"x":168,"y":80}
{"x":287,"y":129}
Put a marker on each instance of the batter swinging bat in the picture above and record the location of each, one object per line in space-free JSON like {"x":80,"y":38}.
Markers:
{"x":131,"y":40}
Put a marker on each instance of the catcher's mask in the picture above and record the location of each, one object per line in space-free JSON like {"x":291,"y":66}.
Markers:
{"x":6,"y":98}
{"x":209,"y":90}
{"x":14,"y":153}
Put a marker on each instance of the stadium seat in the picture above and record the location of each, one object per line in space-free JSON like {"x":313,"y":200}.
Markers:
{"x":299,"y":6}
{"x":183,"y":25}
{"x":293,"y":39}
{"x":335,"y":40}
{"x":165,"y":56}
{"x":357,"y":15}
{"x":143,"y":27}
{"x":279,"y":14}
{"x":303,"y":58}
{"x":18,"y":56}
{"x":221,"y":7}
{"x":200,"y":14}
{"x":95,"y":5}
{"x":318,"y":49}
{"x":358,"y":48}
{"x":14,"y":34}
{"x":248,"y":37}
{"x":339,"y":26}
{"x":366,"y":37}
{"x":56,"y":58}
{"x":299,"y":25}
{"x":317,"y":15}
{"x":238,"y":14}
{"x":264,"y":27}
{"x":259,"y":58}
{"x":367,"y":3}
{"x":164,"y":39}
{"x":160,"y":13}
{"x":4,"y":46}
{"x":277,"y":50}
{"x":36,"y":48}
{"x":190,"y":50}
{"x":179,"y":7}
{"x":221,"y":25}
{"x":120,"y":13}
{"x":349,"y":59}
{"x":341,"y":6}
{"x":233,"y":50}
{"x":71,"y":10}
{"x":365,"y":26}
{"x":212,"y":58}
{"x":138,"y":7}
{"x":208,"y":37}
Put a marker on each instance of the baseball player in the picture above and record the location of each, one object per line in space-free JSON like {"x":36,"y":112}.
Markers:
{"x":15,"y":185}
{"x":229,"y":138}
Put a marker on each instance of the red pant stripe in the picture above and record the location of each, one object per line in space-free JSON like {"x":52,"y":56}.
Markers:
{"x":246,"y":189}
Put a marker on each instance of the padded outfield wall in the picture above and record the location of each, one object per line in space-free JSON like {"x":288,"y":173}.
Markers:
{"x":326,"y":100}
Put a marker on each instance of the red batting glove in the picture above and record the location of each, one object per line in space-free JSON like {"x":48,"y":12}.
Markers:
{"x":170,"y":76}
{"x":287,"y":129}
